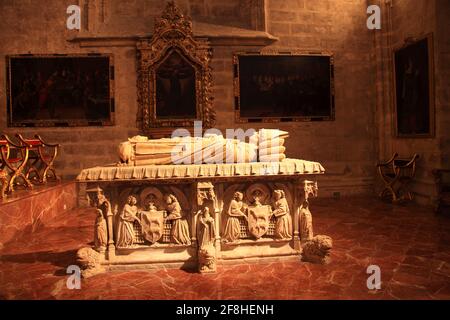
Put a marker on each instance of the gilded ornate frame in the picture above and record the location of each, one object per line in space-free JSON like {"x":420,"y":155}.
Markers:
{"x":173,"y":32}
{"x":431,"y":87}
{"x":275,"y":53}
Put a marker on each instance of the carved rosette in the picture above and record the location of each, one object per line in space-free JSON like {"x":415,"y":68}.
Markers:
{"x":173,"y":33}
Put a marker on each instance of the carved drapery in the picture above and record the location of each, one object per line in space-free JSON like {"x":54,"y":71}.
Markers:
{"x":173,"y":36}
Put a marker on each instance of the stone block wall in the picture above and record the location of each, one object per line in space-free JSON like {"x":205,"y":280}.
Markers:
{"x":344,"y":146}
{"x":348,"y":147}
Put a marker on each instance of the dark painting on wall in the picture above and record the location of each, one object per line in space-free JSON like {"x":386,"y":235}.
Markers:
{"x":414,"y":98}
{"x":284,"y":87}
{"x":60,"y":90}
{"x":175,"y":88}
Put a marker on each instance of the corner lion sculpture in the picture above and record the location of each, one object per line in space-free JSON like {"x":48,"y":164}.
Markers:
{"x":317,"y":250}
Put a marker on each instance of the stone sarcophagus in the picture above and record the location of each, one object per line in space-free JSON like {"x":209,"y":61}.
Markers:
{"x":201,"y":215}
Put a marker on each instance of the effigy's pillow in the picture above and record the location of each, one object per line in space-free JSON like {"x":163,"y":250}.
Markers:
{"x":271,"y":134}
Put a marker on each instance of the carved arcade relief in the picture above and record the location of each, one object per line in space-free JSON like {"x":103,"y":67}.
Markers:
{"x":256,"y":215}
{"x":155,"y":218}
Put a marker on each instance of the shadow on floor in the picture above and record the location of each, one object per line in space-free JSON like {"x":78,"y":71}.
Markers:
{"x":58,"y":259}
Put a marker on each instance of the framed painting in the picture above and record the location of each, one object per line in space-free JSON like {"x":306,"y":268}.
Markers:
{"x":60,"y":90}
{"x":414,"y":89}
{"x":174,"y":77}
{"x":284,"y":87}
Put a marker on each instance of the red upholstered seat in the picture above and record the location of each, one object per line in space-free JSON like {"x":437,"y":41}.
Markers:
{"x":14,"y":160}
{"x":34,"y":143}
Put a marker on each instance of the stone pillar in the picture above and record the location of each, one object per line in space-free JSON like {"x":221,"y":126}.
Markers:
{"x":298,"y":199}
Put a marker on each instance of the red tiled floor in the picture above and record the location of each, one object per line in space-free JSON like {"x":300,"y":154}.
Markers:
{"x":410,"y":244}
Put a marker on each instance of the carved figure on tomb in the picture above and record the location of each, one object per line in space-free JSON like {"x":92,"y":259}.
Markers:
{"x":206,"y":235}
{"x":206,"y":228}
{"x":125,"y":229}
{"x":101,"y":232}
{"x":283,"y":224}
{"x":306,"y":227}
{"x":103,"y":207}
{"x":180,"y":227}
{"x":102,"y":203}
{"x":233,"y":226}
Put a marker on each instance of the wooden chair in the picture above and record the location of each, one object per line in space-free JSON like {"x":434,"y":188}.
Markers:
{"x":42,"y":155}
{"x":4,"y":182}
{"x":397,"y":174}
{"x":442,"y":179}
{"x":14,"y":159}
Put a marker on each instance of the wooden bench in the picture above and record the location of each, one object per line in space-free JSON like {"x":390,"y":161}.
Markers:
{"x":397,"y":174}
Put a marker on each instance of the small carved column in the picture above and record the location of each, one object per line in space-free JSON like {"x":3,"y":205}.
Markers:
{"x":111,"y":245}
{"x":296,"y":218}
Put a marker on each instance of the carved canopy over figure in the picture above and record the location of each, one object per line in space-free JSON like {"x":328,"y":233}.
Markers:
{"x":180,"y":227}
{"x":125,"y":230}
{"x":283,"y":225}
{"x":237,"y":209}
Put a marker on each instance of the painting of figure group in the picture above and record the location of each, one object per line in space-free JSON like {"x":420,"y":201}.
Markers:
{"x":285,"y":86}
{"x":59,"y":89}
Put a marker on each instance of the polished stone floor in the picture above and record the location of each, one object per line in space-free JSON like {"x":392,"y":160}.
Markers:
{"x":409,"y":244}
